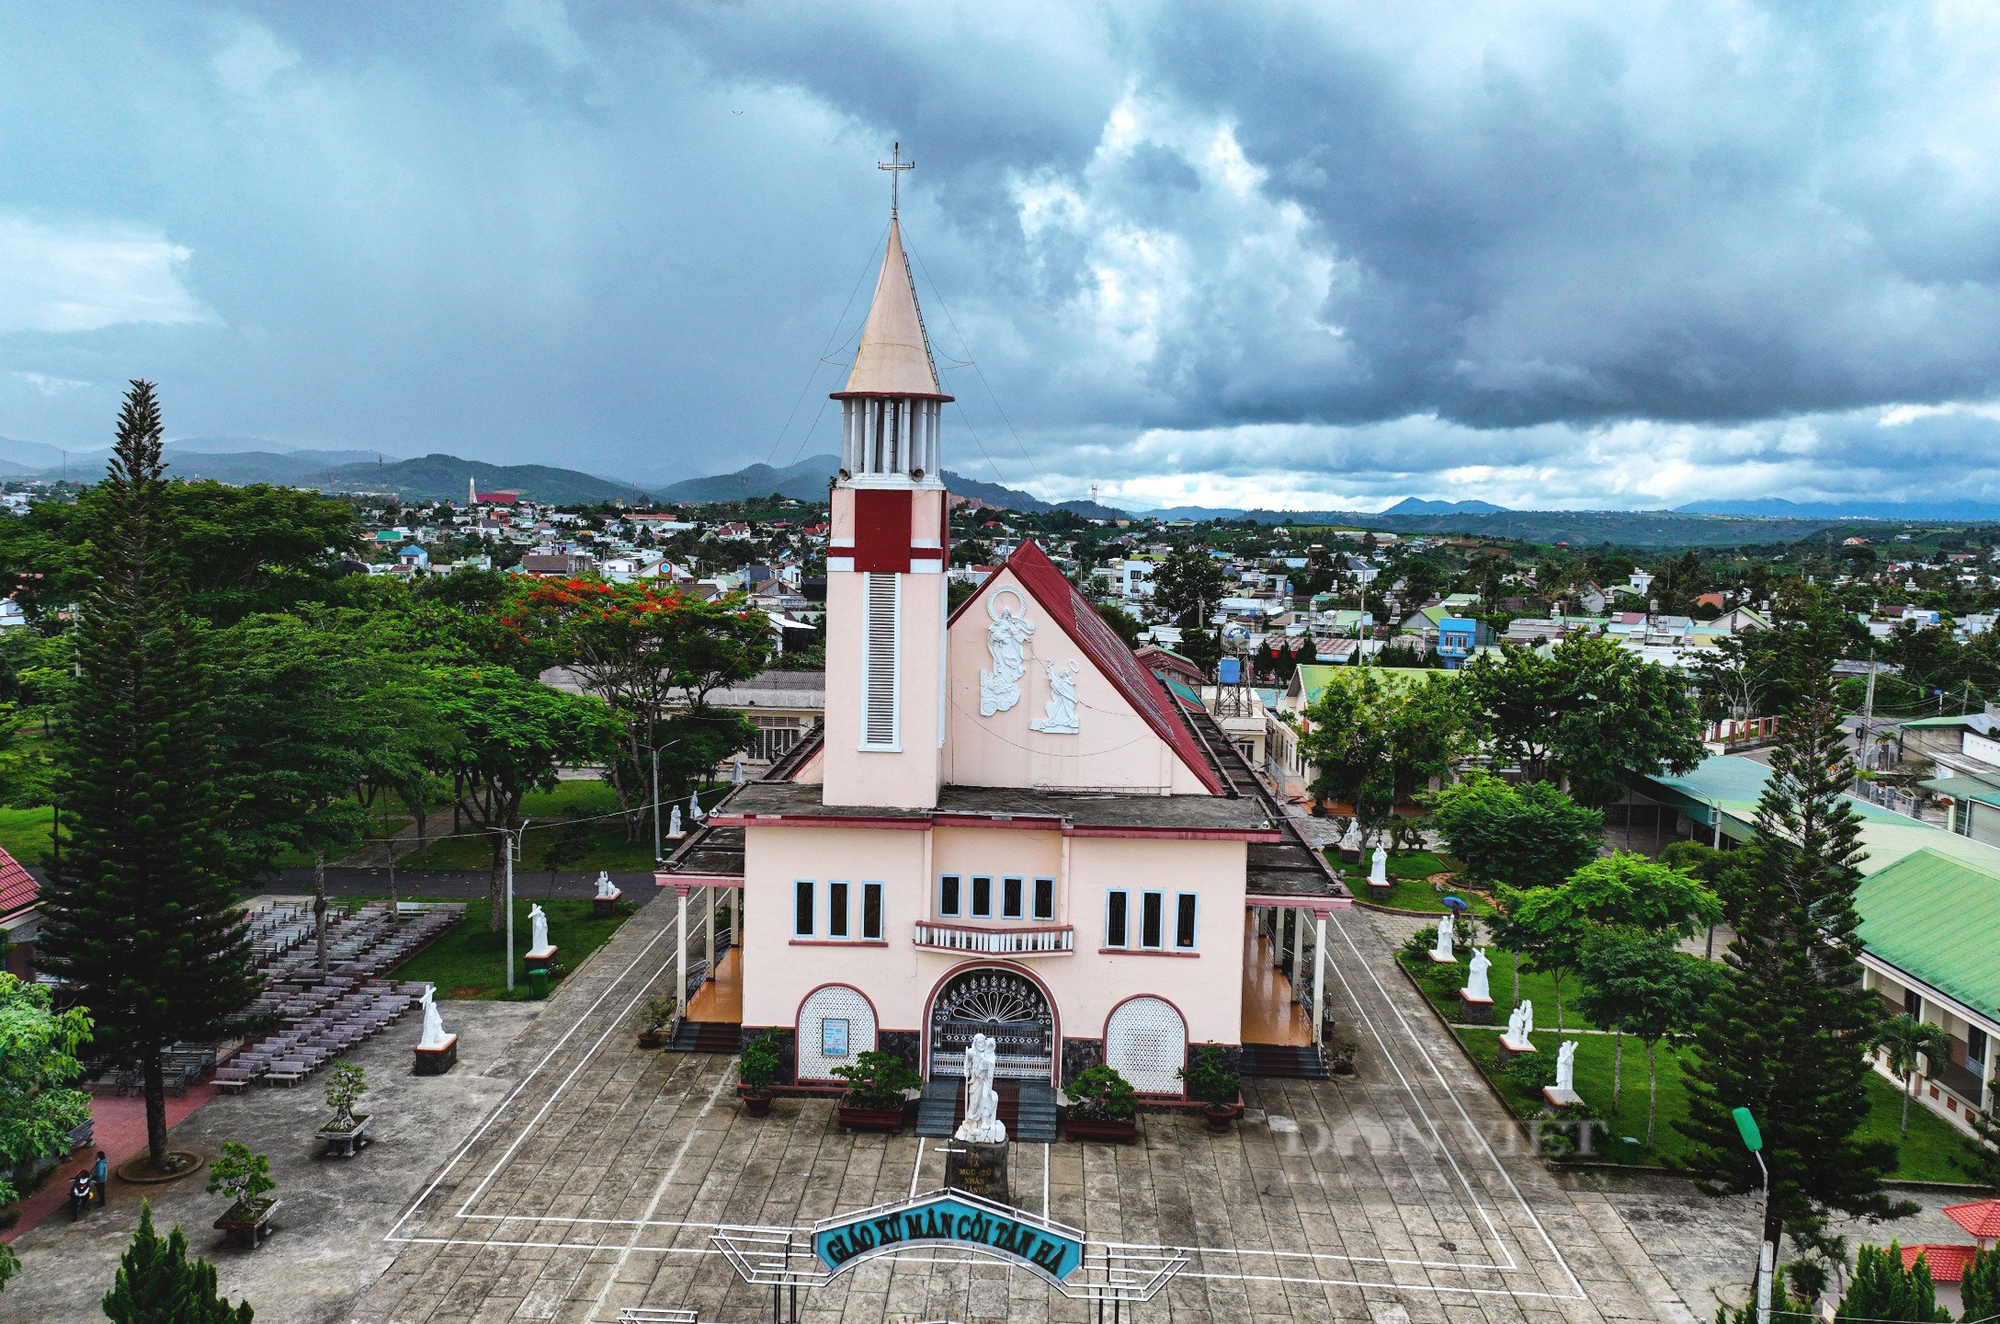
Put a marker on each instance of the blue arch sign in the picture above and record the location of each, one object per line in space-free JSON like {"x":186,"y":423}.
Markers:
{"x":949,"y":1219}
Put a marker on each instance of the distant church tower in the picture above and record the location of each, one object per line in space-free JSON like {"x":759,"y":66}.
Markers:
{"x":885,"y":592}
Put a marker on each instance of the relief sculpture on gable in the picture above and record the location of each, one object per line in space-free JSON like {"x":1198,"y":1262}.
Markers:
{"x":1000,"y":688}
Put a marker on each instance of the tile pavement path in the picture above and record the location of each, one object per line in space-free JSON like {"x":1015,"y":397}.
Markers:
{"x":1404,"y":1195}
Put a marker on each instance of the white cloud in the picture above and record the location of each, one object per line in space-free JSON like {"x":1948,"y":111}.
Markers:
{"x":55,"y":279}
{"x":49,"y":385}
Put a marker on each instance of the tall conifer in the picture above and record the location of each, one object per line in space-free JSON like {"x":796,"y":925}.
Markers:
{"x":158,"y":1284}
{"x":139,"y":911}
{"x":1788,"y":1032}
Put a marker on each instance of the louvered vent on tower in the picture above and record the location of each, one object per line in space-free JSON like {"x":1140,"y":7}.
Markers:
{"x":878,"y":674}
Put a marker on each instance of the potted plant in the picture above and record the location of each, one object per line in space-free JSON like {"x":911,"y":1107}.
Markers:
{"x":345,"y":1084}
{"x":757,"y":1070}
{"x":246,"y":1178}
{"x":1210,"y":1080}
{"x":653,"y":1019}
{"x":877,"y":1084}
{"x":1102,"y":1106}
{"x":1340,"y":1056}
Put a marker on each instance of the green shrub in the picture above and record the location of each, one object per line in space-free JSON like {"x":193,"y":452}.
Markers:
{"x":1101,"y":1094}
{"x":757,"y":1067}
{"x":877,"y":1080}
{"x":1530,"y":1072}
{"x":240,"y":1174}
{"x":1209,"y":1078}
{"x":1882,"y":1289}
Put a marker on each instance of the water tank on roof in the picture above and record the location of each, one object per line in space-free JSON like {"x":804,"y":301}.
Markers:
{"x":1230,"y":672}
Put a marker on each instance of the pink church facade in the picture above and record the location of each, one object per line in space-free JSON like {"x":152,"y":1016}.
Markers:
{"x":1007,"y":825}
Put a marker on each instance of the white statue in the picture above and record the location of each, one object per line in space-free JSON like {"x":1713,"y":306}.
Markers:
{"x":1000,"y":688}
{"x":1350,"y":840}
{"x":1527,"y":1010}
{"x":538,"y":928}
{"x":695,"y":810}
{"x":736,"y":772}
{"x":1378,"y":869}
{"x":606,"y":889}
{"x":1566,"y":1067}
{"x":434,"y":1035}
{"x":982,"y":1124}
{"x":674,"y":822}
{"x":1476,"y":989}
{"x":1442,"y":952}
{"x":1061,"y":707}
{"x":1516,"y":1025}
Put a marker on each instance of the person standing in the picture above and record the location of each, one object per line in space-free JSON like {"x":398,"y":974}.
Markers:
{"x":100,"y":1173}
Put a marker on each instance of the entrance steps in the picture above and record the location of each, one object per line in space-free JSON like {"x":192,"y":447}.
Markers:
{"x":706,"y":1037}
{"x":1290,"y":1061}
{"x":1029,"y":1110}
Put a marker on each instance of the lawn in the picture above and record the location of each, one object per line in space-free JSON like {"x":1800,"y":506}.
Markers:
{"x":548,"y":812}
{"x":467,"y":961}
{"x":1441,"y":984}
{"x":1926,"y":1155}
{"x":25,"y":833}
{"x":1410,"y":889}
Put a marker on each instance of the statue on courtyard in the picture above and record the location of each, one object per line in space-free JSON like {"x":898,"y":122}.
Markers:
{"x":538,"y":928}
{"x":606,"y":889}
{"x":1060,"y":711}
{"x":434,"y":1035}
{"x":1476,"y":989}
{"x":1000,"y":688}
{"x":695,"y":810}
{"x":982,"y":1124}
{"x":1378,"y":869}
{"x":1521,"y":1023}
{"x":1443,"y":952}
{"x":674,"y":823}
{"x":1566,"y":1067}
{"x":1350,"y":840}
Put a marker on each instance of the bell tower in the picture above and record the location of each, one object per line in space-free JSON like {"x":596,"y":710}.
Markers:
{"x":885,"y":559}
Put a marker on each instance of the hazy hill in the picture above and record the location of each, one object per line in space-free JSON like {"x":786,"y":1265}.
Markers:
{"x":1921,"y":511}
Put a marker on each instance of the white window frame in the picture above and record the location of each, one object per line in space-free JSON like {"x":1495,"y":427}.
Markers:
{"x":810,"y":893}
{"x":880,"y":894}
{"x":1194,"y":945}
{"x":1142,"y":944}
{"x":1020,"y":896}
{"x":972,"y":910}
{"x":1124,"y":941}
{"x":958,"y":910}
{"x":844,"y":913}
{"x":1034,"y":904}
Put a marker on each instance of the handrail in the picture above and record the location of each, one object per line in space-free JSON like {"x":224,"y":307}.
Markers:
{"x":1010,"y":941}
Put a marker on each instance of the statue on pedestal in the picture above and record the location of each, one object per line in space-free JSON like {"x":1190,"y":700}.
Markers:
{"x":695,"y":811}
{"x":1476,"y":988}
{"x":434,"y":1035}
{"x":538,"y":928}
{"x":674,"y":823}
{"x":1378,"y":871}
{"x":982,"y":1124}
{"x":1443,"y":952}
{"x":1566,"y":1067}
{"x":606,"y":889}
{"x":1350,"y":840}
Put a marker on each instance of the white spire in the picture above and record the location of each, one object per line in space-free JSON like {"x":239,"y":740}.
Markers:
{"x":894,"y":356}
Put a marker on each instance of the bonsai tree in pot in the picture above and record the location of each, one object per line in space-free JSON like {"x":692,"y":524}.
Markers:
{"x":1210,"y":1080}
{"x":653,"y":1019}
{"x":1340,"y":1056}
{"x":345,"y":1084}
{"x":1102,"y":1106}
{"x":757,"y":1069}
{"x":876,"y":1085}
{"x":246,"y":1178}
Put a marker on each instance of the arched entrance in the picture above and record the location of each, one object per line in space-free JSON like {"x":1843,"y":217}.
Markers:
{"x":1002,"y":1003}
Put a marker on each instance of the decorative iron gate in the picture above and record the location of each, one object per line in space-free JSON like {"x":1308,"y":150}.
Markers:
{"x":1007,"y":1006}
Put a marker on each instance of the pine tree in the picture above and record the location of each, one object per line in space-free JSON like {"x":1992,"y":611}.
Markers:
{"x":1979,"y":1290}
{"x":1983,"y":1165}
{"x":139,"y":910}
{"x":1786,"y":1034}
{"x":157,"y":1285}
{"x":1882,"y":1289}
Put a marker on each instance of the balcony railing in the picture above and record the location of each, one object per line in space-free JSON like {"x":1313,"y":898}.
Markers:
{"x":1053,"y":940}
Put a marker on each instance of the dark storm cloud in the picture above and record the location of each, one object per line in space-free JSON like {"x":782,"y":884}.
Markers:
{"x":1550,"y":253}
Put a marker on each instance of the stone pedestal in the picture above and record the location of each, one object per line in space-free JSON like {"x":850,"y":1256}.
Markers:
{"x":1513,"y":1048}
{"x":977,"y":1169}
{"x":1561,"y":1098}
{"x":1474,"y":1011}
{"x":606,"y":907}
{"x":437,"y":1061}
{"x":1442,"y":960}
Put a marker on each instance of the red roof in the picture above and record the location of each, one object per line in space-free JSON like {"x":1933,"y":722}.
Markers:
{"x":1947,"y":1263}
{"x":1106,"y":651}
{"x":18,"y":888}
{"x":1981,"y":1217}
{"x":496,"y":498}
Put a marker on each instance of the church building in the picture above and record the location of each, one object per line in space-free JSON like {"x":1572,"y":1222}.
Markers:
{"x":1006,"y":824}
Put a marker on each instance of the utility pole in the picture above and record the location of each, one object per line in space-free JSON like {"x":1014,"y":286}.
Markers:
{"x":512,"y":839}
{"x":657,"y":857}
{"x":1868,"y":710}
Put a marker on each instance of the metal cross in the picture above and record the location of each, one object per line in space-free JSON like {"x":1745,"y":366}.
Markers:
{"x":895,"y":165}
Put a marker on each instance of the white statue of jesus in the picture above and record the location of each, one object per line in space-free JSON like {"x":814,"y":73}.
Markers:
{"x":1350,"y":840}
{"x":695,"y":811}
{"x":982,"y":1124}
{"x":434,"y":1035}
{"x":674,"y":822}
{"x":1378,"y":870}
{"x":606,"y":889}
{"x":538,"y":928}
{"x":1566,"y":1067}
{"x":1476,"y":988}
{"x":1443,"y":952}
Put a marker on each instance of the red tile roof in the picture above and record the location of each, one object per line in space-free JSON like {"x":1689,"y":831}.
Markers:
{"x":18,"y":888}
{"x":1980,"y":1217}
{"x":1947,"y":1263}
{"x":1070,"y":610}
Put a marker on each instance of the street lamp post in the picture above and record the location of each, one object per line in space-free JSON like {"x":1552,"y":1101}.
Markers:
{"x":509,"y":840}
{"x":1767,"y":1250}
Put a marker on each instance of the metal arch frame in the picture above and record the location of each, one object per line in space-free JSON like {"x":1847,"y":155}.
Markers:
{"x":1110,"y":1271}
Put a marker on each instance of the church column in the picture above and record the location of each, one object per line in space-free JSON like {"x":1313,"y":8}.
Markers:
{"x":708,"y":927}
{"x":681,"y":951}
{"x":1298,"y":948}
{"x":1319,"y":974}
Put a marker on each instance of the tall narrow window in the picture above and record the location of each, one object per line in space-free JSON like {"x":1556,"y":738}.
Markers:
{"x":1010,"y":898}
{"x":802,"y":908}
{"x":1150,"y":917}
{"x":1184,"y":911}
{"x":881,"y":608}
{"x":1045,"y":898}
{"x":871,"y":912}
{"x":836,"y":910}
{"x":948,"y":901}
{"x":1114,"y":919}
{"x":982,"y":897}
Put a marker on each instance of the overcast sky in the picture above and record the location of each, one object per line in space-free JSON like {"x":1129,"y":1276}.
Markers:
{"x":1548,"y":255}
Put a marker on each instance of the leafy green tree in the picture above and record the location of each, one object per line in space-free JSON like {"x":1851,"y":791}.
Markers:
{"x":512,"y":735}
{"x":1909,"y":1042}
{"x":1639,"y":984}
{"x":1518,"y":837}
{"x":1982,"y":1162}
{"x":1373,"y":742}
{"x":1979,"y":1290}
{"x":1188,"y":584}
{"x":1882,"y":1289}
{"x":1589,"y":713}
{"x":158,"y":1284}
{"x":1784,"y":1306}
{"x":38,"y":1064}
{"x":139,"y":915}
{"x":1787,"y":1032}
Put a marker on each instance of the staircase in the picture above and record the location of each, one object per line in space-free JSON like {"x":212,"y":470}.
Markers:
{"x":706,"y":1037}
{"x":1291,"y":1061}
{"x":1028,"y":1110}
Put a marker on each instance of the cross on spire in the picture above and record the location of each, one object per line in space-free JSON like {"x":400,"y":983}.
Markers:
{"x":895,"y":165}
